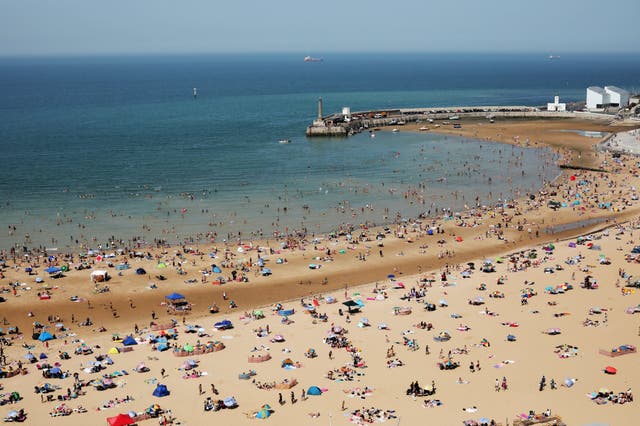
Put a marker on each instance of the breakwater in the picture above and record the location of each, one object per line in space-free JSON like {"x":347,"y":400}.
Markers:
{"x":347,"y":123}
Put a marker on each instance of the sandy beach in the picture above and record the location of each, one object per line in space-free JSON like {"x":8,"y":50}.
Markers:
{"x":430,"y":261}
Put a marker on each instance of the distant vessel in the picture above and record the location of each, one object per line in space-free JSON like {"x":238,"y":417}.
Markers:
{"x":552,"y":57}
{"x":283,"y":141}
{"x":195,"y":92}
{"x":312,"y":59}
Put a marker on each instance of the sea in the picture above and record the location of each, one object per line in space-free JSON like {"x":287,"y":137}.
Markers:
{"x":102,"y":148}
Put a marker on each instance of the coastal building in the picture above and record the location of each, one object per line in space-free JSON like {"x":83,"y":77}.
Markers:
{"x":611,"y":96}
{"x":556,"y":105}
{"x":346,"y":114}
{"x":595,"y":98}
{"x":616,"y":96}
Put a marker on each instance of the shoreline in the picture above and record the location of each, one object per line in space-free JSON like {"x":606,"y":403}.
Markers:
{"x":413,"y":264}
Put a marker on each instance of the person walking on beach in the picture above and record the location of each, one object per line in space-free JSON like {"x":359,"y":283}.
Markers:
{"x":497,"y":386}
{"x":280,"y":398}
{"x":162,"y":371}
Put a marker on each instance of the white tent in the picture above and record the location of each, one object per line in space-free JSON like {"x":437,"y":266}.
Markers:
{"x":99,"y":276}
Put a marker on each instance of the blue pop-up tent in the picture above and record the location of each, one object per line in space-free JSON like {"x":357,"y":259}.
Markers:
{"x":223,"y":325}
{"x":161,"y":390}
{"x":52,"y":270}
{"x":129,"y":341}
{"x":45,"y":335}
{"x":314,"y":390}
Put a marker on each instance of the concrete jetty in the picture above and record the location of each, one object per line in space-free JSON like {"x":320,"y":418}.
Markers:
{"x":341,"y":124}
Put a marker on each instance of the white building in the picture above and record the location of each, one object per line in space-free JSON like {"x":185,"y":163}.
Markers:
{"x":599,"y":98}
{"x":596,"y":98}
{"x":556,"y":105}
{"x":346,"y":114}
{"x":617,"y":96}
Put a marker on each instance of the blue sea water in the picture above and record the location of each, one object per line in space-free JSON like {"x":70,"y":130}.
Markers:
{"x":100,"y":146}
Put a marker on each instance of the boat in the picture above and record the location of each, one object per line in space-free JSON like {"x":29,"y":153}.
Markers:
{"x":423,"y":129}
{"x":454,"y":117}
{"x":552,"y":57}
{"x":283,"y":141}
{"x":312,"y":59}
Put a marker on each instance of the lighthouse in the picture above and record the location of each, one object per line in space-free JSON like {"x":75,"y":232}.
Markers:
{"x":319,"y":122}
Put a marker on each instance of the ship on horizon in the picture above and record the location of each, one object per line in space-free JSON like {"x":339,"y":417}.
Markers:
{"x":552,"y":57}
{"x":312,"y":59}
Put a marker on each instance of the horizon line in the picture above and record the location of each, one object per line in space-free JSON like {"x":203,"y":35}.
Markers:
{"x":305,"y":53}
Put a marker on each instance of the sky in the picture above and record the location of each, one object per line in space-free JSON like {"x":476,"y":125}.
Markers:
{"x":92,"y":27}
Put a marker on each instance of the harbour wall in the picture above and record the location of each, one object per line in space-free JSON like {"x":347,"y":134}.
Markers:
{"x":336,"y":125}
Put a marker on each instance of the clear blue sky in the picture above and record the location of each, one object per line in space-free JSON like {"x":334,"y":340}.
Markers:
{"x":53,"y":27}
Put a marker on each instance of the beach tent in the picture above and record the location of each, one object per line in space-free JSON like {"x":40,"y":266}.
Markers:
{"x":264,"y":412}
{"x":120,"y":420}
{"x":314,"y":390}
{"x":43,"y":355}
{"x":45,"y":335}
{"x":230,"y":402}
{"x":129,"y":341}
{"x":99,"y":276}
{"x":610,"y":370}
{"x":215,"y":269}
{"x":161,"y":390}
{"x":113,"y":351}
{"x":140,"y":271}
{"x":52,"y":270}
{"x":161,"y":265}
{"x":352,"y":306}
{"x":223,"y":325}
{"x":174,"y":296}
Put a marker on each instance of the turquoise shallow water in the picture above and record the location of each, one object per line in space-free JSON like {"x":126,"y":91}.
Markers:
{"x":95,"y":147}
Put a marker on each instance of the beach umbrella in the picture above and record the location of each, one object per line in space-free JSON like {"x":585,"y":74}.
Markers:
{"x":216,"y":270}
{"x":610,"y":370}
{"x":43,"y":356}
{"x":391,"y":276}
{"x":28,"y":269}
{"x":569,"y":382}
